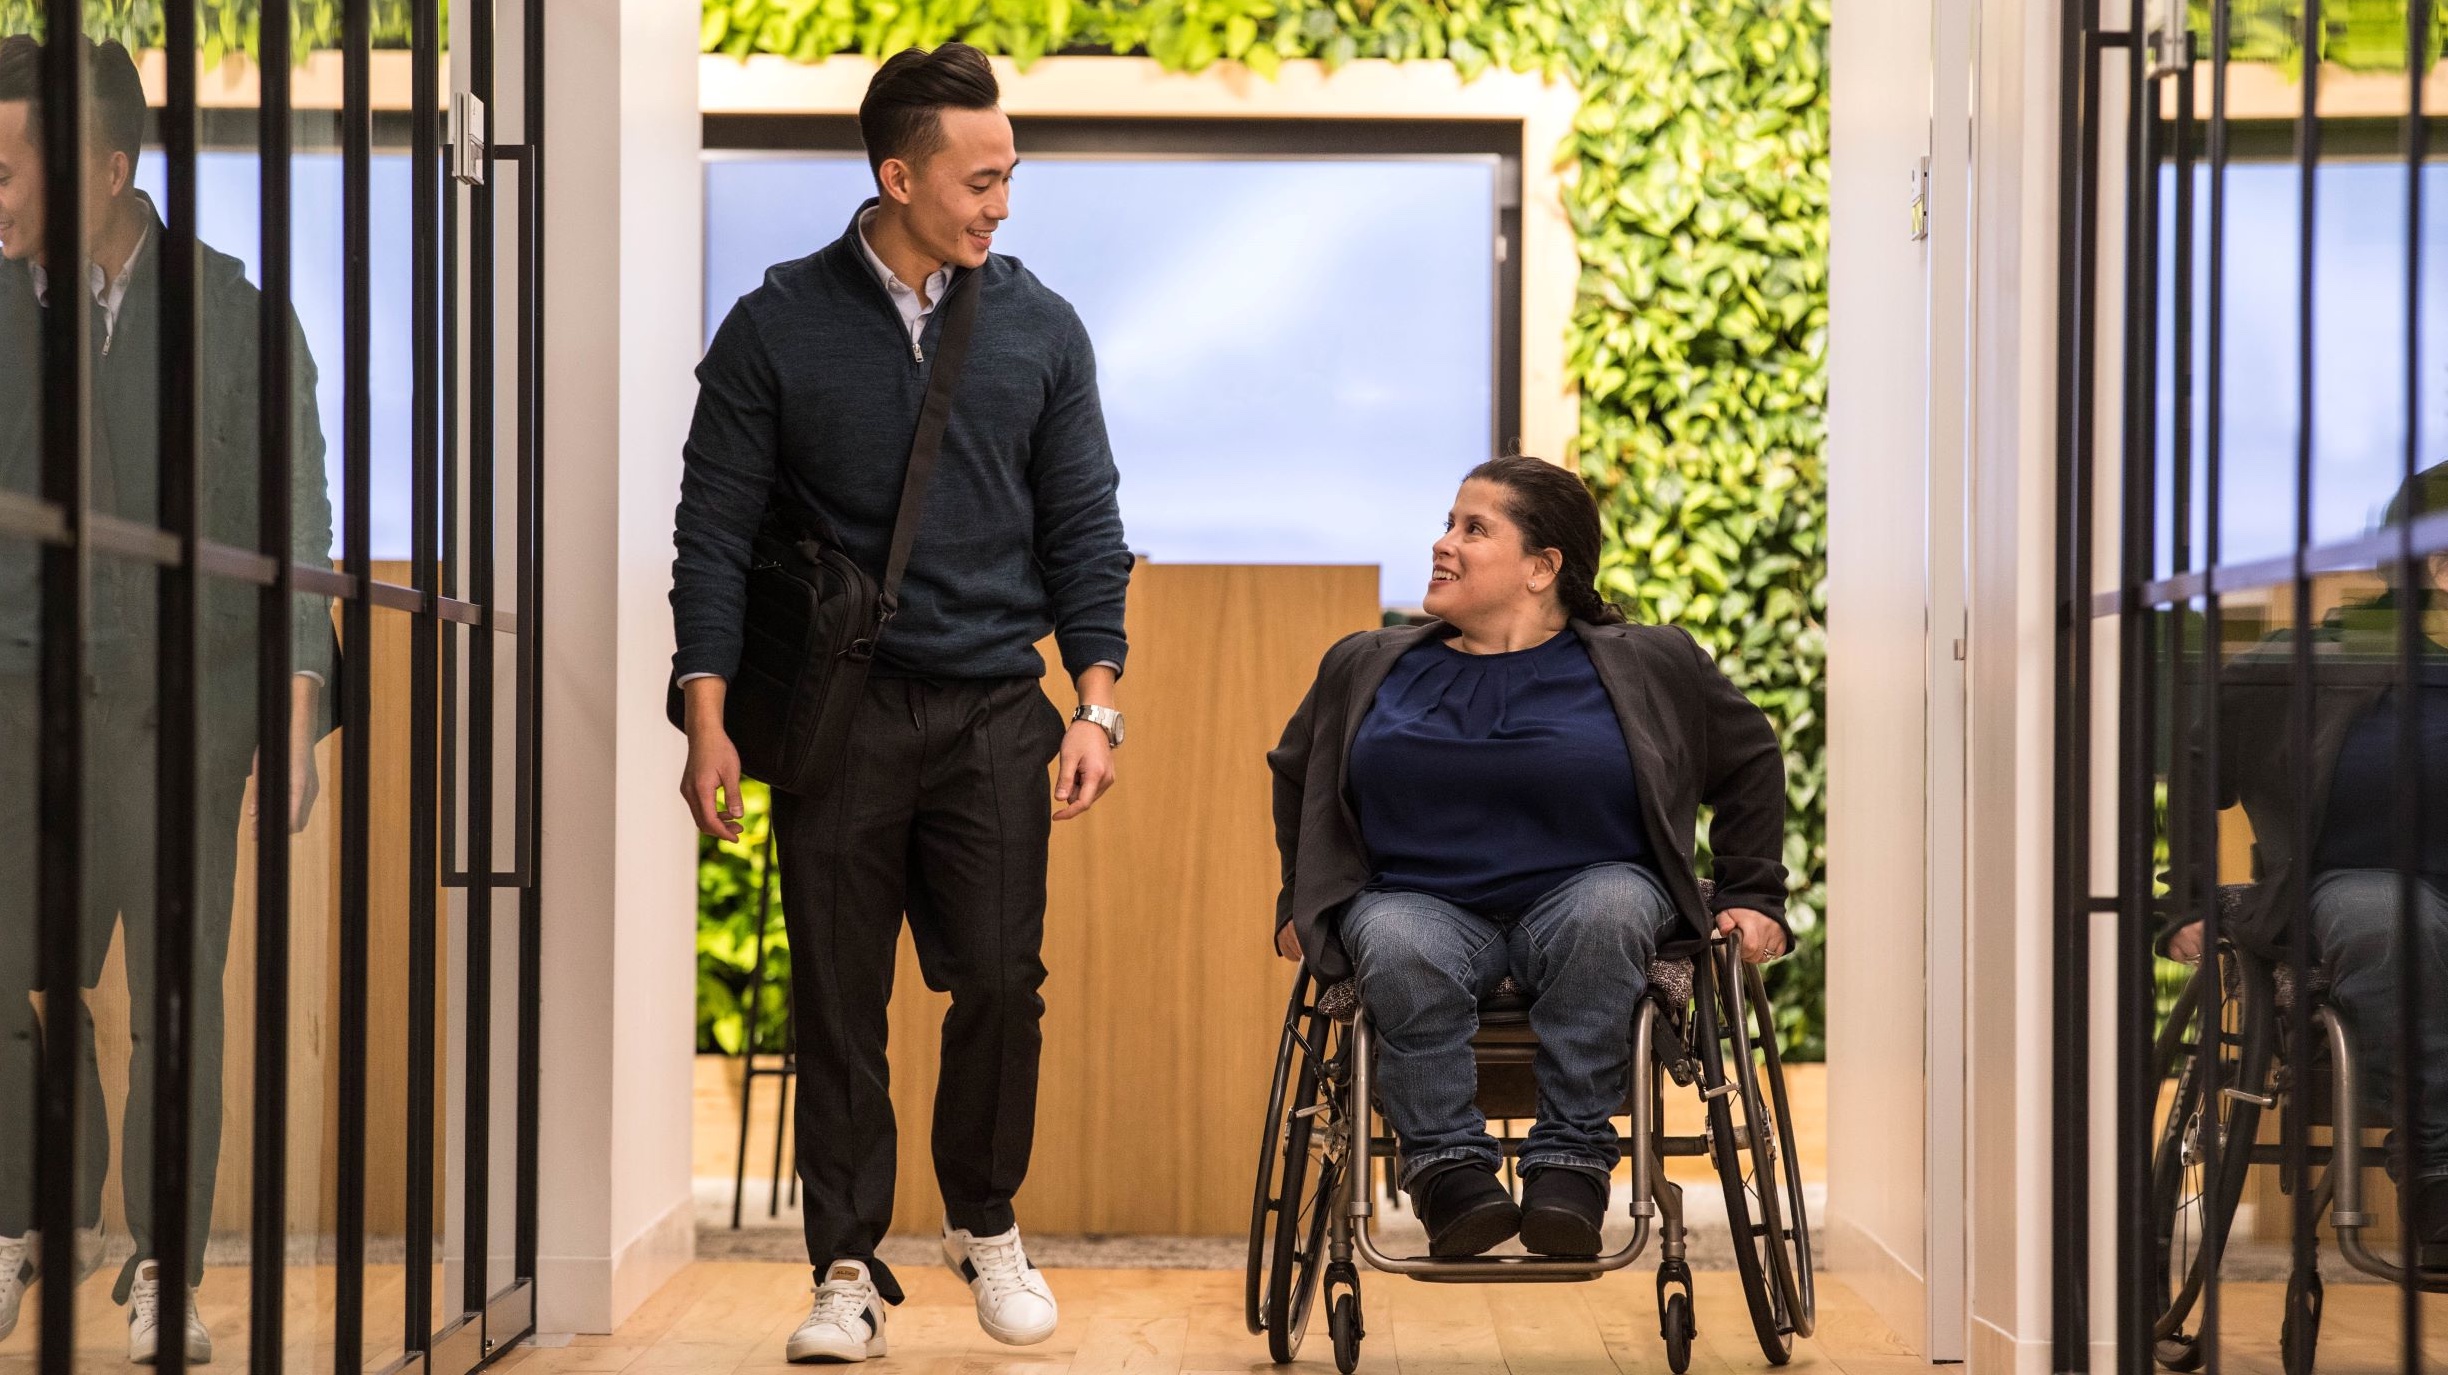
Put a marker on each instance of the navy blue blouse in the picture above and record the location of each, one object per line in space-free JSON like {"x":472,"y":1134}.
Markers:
{"x":1488,"y":779}
{"x":2360,"y":831}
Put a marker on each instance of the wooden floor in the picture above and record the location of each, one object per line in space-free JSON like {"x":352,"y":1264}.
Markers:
{"x":732,"y":1319}
{"x":311,"y":1294}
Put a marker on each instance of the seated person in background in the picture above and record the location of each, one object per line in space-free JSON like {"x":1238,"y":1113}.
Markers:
{"x":1512,"y":790}
{"x":2352,"y":873}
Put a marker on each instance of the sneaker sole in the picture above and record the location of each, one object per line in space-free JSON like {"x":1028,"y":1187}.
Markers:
{"x":874,"y":1351}
{"x":1009,"y":1337}
{"x":1559,"y":1232}
{"x":1489,"y":1225}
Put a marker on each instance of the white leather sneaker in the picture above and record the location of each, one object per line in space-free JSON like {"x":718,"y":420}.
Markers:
{"x":846,"y":1323}
{"x":13,"y":1274}
{"x":1013,"y":1303}
{"x":20,"y":1266}
{"x":145,"y":1318}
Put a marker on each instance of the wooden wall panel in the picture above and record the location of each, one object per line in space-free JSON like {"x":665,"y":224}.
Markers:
{"x":1164,"y":995}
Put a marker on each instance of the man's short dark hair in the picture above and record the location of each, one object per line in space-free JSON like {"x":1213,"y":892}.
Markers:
{"x":117,"y":122}
{"x":902,"y":116}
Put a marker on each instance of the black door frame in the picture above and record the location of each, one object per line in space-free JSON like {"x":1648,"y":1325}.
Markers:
{"x":2163,"y":601}
{"x":469,"y":1329}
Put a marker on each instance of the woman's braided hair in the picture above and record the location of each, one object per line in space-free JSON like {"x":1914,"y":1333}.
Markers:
{"x":1555,"y":511}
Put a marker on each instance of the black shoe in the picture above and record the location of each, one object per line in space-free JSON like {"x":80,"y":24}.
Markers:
{"x":2431,"y":1223}
{"x":1465,"y":1210}
{"x":1561,"y":1211}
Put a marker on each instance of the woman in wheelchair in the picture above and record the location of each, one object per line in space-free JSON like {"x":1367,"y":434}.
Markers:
{"x":1512,"y":790}
{"x":2352,"y":875}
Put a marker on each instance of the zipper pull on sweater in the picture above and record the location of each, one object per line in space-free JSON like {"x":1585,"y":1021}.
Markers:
{"x":917,"y":352}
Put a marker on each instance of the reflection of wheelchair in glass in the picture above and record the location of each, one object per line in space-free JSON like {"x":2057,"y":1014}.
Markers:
{"x":1310,"y":1217}
{"x":2209,"y":1141}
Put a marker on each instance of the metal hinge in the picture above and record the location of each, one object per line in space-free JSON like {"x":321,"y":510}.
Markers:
{"x":1920,"y":209}
{"x":468,"y":137}
{"x":2171,"y":40}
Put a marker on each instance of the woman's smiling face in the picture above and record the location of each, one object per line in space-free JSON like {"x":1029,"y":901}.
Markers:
{"x":1480,"y":568}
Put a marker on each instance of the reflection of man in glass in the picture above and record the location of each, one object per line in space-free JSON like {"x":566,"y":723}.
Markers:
{"x":118,"y":271}
{"x":2352,"y":871}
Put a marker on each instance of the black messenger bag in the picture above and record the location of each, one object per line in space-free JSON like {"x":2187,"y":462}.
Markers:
{"x":814,"y":616}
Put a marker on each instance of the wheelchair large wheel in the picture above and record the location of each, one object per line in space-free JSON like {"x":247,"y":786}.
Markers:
{"x":1299,"y":1174}
{"x":2204,"y":1152}
{"x":1752,"y":1143}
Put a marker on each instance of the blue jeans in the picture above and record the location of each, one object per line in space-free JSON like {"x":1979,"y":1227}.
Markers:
{"x":2354,"y":918}
{"x":1582,"y":954}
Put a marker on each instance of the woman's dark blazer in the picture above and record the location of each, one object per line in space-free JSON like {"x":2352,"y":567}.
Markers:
{"x":1694,"y":739}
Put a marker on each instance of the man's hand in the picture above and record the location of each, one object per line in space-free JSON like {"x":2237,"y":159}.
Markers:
{"x":1086,"y":770}
{"x":1287,"y":942}
{"x":1761,"y":938}
{"x":710,"y":783}
{"x":305,"y":781}
{"x":2186,"y":943}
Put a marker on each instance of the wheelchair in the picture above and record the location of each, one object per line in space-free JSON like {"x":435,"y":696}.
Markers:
{"x":1323,"y":1151}
{"x":2209,"y":1141}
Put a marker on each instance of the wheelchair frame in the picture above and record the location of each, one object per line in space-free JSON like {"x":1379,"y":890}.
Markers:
{"x":2266,"y":1080}
{"x":1301,"y":1237}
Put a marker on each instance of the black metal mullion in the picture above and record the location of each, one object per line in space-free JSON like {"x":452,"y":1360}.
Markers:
{"x":531,"y":642}
{"x":482,"y":481}
{"x":2136,"y":1087}
{"x":176,"y":702}
{"x":2413,"y":600}
{"x":357,"y":620}
{"x":2213,"y":633}
{"x":2296,"y":1131}
{"x":275,"y":610}
{"x":2192,"y":822}
{"x":60,"y":749}
{"x":2078,"y":125}
{"x":427,"y":205}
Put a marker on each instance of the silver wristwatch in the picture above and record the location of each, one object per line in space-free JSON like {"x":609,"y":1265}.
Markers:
{"x":1107,"y":720}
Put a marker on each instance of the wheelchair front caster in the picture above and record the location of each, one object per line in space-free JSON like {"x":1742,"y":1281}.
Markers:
{"x":2299,"y":1334}
{"x":2180,"y":1352}
{"x":1343,"y":1317}
{"x":1675,"y":1322}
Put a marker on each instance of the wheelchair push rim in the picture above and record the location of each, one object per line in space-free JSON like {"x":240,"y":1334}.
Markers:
{"x":1262,"y":1200}
{"x":1299,"y":1179}
{"x":2213,"y":1117}
{"x":1755,"y":1160}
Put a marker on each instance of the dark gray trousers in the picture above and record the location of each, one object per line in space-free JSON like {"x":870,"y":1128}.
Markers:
{"x":119,"y":884}
{"x":942,"y":811}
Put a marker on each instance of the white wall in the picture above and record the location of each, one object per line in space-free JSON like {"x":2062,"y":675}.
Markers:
{"x":2013,"y":202}
{"x":1877,"y":662}
{"x":1941,"y":511}
{"x":622,"y":249}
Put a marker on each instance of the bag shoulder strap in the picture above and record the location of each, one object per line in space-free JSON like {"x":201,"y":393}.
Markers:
{"x":951,"y":353}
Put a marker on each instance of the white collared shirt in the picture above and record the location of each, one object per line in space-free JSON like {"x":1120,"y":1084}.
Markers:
{"x":110,"y":294}
{"x":915,"y":305}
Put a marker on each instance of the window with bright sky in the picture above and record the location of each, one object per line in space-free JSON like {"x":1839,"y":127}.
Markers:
{"x":228,"y":191}
{"x":2358,"y":342}
{"x":1296,"y":357}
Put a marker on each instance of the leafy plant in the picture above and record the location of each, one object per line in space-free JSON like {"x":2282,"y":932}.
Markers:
{"x":729,"y":874}
{"x":224,"y":26}
{"x":2359,"y":35}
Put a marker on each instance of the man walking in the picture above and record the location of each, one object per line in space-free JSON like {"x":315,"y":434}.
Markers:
{"x":808,"y":399}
